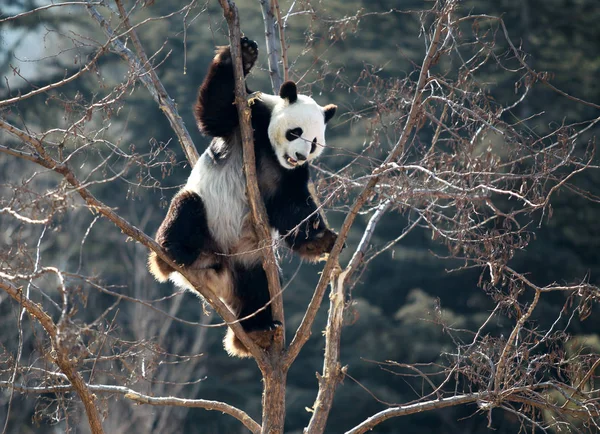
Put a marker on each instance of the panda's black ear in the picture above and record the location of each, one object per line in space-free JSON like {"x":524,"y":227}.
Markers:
{"x":329,"y":111}
{"x":288,"y":91}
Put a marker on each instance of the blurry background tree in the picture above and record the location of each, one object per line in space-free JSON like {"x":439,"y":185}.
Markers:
{"x":464,"y":146}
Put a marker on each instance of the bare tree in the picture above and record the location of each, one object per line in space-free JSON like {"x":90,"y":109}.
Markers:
{"x":441,"y":152}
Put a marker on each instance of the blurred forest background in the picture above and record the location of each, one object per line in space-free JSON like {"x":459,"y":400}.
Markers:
{"x":397,"y":294}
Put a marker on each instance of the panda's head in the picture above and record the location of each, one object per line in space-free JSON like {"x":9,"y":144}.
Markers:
{"x":297,"y":126}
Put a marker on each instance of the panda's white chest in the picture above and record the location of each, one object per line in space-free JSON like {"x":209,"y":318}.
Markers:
{"x":222,"y":188}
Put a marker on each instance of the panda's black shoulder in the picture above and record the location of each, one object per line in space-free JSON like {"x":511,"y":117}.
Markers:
{"x":261,"y":115}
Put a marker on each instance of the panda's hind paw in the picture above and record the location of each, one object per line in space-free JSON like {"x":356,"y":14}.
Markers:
{"x":264,"y":338}
{"x":249,"y":53}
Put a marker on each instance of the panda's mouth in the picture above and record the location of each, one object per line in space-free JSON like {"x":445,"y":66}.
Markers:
{"x":291,"y":161}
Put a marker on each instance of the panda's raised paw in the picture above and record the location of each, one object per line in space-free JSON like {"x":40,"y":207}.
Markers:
{"x":249,"y":53}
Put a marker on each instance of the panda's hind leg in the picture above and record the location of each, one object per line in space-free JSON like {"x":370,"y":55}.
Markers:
{"x":184,"y":235}
{"x":252,"y":293}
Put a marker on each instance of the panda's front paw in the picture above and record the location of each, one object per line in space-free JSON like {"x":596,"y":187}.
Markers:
{"x":317,"y":247}
{"x":249,"y":53}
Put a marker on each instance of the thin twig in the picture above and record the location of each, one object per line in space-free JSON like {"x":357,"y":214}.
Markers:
{"x":148,"y":77}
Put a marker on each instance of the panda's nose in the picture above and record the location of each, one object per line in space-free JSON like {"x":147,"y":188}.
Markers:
{"x":300,"y":157}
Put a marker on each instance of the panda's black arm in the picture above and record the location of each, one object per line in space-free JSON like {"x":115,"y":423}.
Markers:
{"x":184,"y":232}
{"x":215,"y":111}
{"x":294,"y":213}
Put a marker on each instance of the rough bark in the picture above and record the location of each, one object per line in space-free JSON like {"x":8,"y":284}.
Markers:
{"x":274,"y":374}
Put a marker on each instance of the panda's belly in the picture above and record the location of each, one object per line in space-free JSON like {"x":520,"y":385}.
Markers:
{"x":222,"y":187}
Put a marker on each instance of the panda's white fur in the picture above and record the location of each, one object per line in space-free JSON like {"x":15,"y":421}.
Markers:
{"x":222,"y":187}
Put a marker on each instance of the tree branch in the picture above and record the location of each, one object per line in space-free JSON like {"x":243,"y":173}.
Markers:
{"x":274,"y":374}
{"x":303,"y":332}
{"x":272,"y":38}
{"x":281,"y":26}
{"x":147,"y":75}
{"x":332,"y":370}
{"x":486,"y":400}
{"x":61,"y":354}
{"x":257,"y":207}
{"x":510,"y":343}
{"x":95,"y":205}
{"x":420,"y":407}
{"x":140,"y":398}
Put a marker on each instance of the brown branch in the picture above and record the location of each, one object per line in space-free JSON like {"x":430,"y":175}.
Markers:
{"x":420,"y":407}
{"x":332,"y":370}
{"x":147,"y":75}
{"x":240,"y":415}
{"x":61,"y":354}
{"x":18,"y":154}
{"x":95,"y":205}
{"x":486,"y":400}
{"x":140,"y":398}
{"x":274,"y":373}
{"x":257,"y":207}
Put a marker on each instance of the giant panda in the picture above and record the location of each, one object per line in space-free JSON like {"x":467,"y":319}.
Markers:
{"x":208,"y":228}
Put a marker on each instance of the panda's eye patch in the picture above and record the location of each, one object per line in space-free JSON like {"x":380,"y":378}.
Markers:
{"x":293,"y":134}
{"x":313,"y":146}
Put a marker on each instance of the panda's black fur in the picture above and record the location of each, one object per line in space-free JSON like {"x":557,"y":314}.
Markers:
{"x":208,"y":229}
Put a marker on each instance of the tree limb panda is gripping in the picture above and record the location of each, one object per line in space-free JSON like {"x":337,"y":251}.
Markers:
{"x":208,"y":229}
